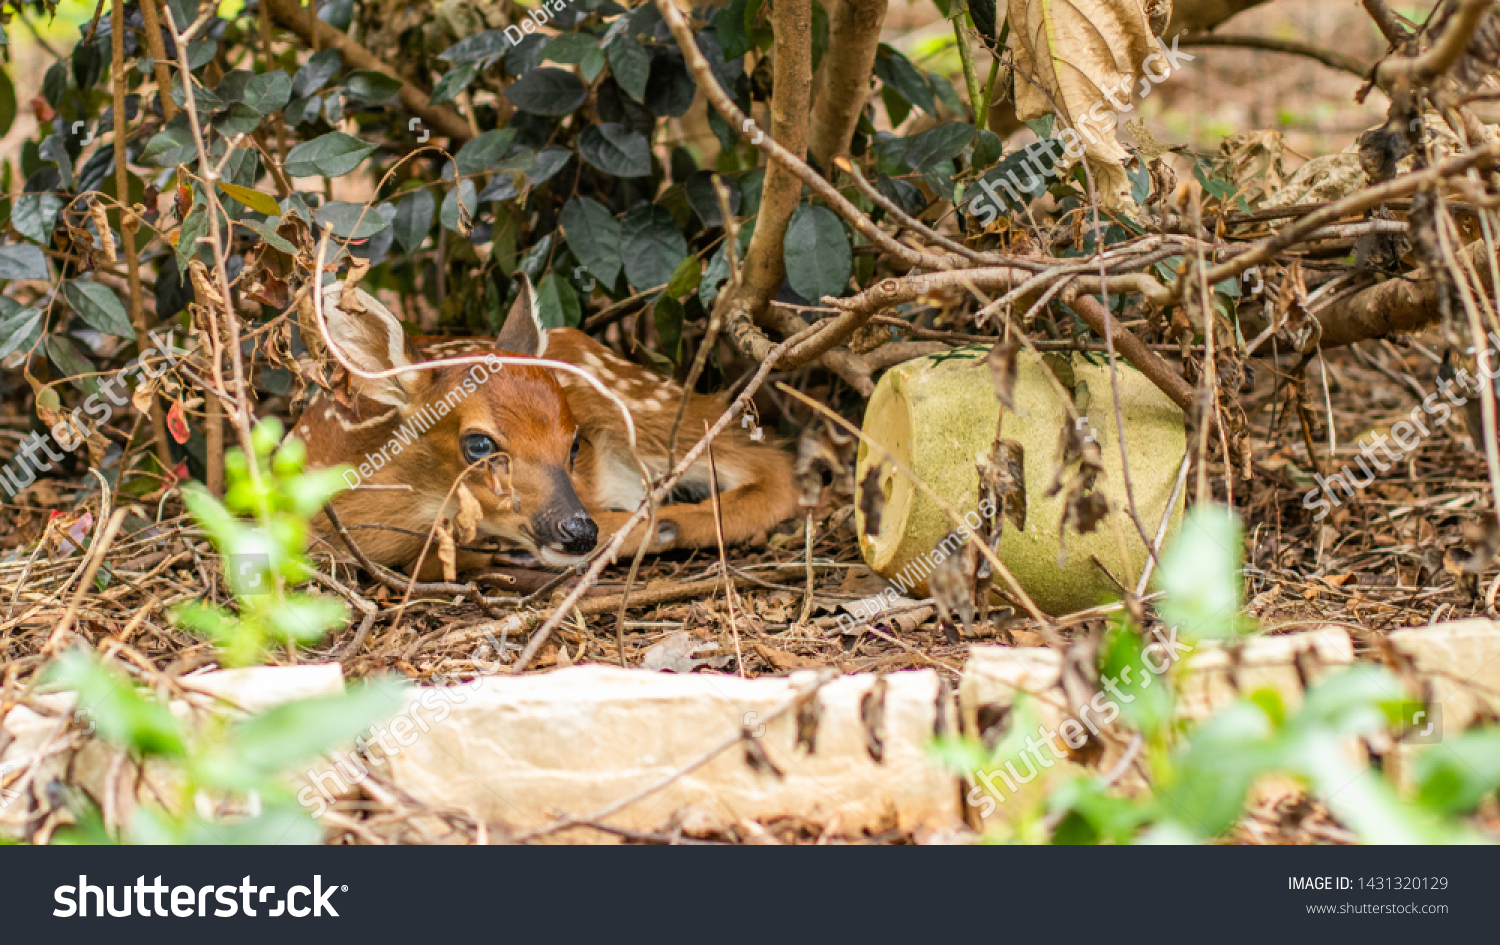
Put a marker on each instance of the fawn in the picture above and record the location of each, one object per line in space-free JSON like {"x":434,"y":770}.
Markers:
{"x":545,"y":454}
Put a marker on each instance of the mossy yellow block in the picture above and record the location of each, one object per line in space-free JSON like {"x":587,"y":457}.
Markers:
{"x":937,"y":415}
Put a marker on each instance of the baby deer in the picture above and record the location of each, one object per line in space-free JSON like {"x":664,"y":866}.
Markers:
{"x":545,"y":454}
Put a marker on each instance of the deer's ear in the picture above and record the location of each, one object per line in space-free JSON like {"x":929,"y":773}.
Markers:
{"x":523,"y":332}
{"x":369,"y":337}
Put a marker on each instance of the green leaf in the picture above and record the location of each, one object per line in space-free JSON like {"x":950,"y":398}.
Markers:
{"x":630,"y":64}
{"x":699,"y":188}
{"x":1206,"y":787}
{"x":350,"y":221}
{"x":1199,"y":575}
{"x":569,"y":48}
{"x":295,"y":733}
{"x":315,"y":73}
{"x":7,"y":101}
{"x":35,"y":215}
{"x":670,"y":92}
{"x":548,"y":162}
{"x":942,"y":143}
{"x":484,"y":152}
{"x":594,"y":237}
{"x":20,"y":330}
{"x":616,"y":150}
{"x":23,"y":261}
{"x":268,"y":92}
{"x":551,"y":92}
{"x":454,"y":81}
{"x":238,"y":119}
{"x":99,"y":306}
{"x":120,"y":714}
{"x":269,"y":235}
{"x":729,"y":27}
{"x":1454,"y":775}
{"x":332,"y":155}
{"x":557,"y":303}
{"x":254,"y":199}
{"x":897,"y":72}
{"x":414,"y":218}
{"x":819,"y":34}
{"x":1143,"y":695}
{"x":448,"y":213}
{"x":488,"y":44}
{"x":988,"y":148}
{"x":685,"y":278}
{"x":75,"y":367}
{"x":170,"y":147}
{"x":651,"y":246}
{"x":371,"y":87}
{"x":305,"y":618}
{"x":592,"y":65}
{"x":817,"y":253}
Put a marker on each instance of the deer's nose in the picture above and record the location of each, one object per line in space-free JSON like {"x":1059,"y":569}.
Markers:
{"x":579,"y":534}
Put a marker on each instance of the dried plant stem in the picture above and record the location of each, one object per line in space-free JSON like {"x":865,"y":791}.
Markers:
{"x":128,"y":227}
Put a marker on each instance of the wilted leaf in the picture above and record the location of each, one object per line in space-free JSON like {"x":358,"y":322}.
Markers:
{"x":1082,"y":54}
{"x":447,"y":550}
{"x":470,"y":514}
{"x":872,"y":498}
{"x":678,"y":654}
{"x":254,"y":199}
{"x":1002,"y":363}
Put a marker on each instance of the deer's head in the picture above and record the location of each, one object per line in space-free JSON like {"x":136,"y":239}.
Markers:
{"x":504,"y":430}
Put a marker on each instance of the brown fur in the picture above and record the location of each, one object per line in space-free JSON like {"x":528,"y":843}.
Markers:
{"x":533,"y":414}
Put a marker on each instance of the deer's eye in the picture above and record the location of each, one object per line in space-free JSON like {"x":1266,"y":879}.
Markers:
{"x":477,"y":446}
{"x":577,"y":441}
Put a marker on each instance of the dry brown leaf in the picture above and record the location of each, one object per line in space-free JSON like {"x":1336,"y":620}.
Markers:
{"x":447,"y":550}
{"x":470,"y":514}
{"x":1070,"y":58}
{"x":780,"y":660}
{"x":106,"y":236}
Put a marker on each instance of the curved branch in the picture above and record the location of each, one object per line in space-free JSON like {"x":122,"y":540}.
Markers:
{"x":1329,"y":58}
{"x":314,"y":32}
{"x":1443,"y":53}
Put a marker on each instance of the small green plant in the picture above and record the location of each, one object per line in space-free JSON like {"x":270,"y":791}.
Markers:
{"x":1199,"y":775}
{"x":260,"y":531}
{"x":220,"y":774}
